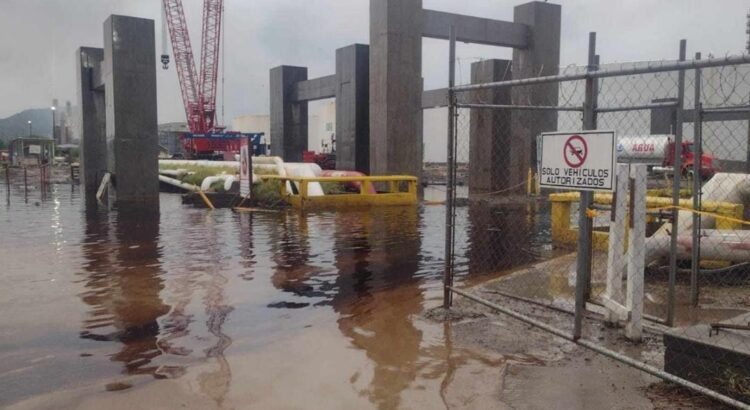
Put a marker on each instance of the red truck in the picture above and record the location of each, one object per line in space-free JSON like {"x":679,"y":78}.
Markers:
{"x":659,"y":151}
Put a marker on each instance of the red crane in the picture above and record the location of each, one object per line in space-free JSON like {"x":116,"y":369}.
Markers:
{"x":198,"y":88}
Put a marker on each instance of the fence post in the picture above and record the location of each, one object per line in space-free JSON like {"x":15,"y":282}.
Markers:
{"x":450,"y":194}
{"x":7,"y":177}
{"x":677,"y":177}
{"x":636,"y":252}
{"x":697,"y":186}
{"x":616,"y":246}
{"x":583,"y":259}
{"x":25,"y":185}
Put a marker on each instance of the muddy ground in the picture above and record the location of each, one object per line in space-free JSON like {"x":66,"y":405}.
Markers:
{"x":543,"y":371}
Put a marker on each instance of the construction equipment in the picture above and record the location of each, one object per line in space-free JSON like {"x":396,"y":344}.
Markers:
{"x":206,"y":139}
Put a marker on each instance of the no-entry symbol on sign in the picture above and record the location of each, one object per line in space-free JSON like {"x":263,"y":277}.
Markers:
{"x":575,"y":151}
{"x":583,"y":160}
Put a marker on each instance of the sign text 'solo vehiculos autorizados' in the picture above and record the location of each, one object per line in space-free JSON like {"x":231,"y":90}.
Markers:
{"x":583,"y":160}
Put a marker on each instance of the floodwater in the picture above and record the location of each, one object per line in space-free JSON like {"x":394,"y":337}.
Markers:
{"x":214,"y":309}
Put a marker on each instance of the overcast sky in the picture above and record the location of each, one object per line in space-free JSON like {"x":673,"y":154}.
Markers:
{"x":38,"y":39}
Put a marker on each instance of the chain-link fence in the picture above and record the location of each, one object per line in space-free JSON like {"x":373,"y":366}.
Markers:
{"x":663,"y":258}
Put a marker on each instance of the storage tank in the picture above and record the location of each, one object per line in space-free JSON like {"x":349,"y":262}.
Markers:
{"x":643,"y":149}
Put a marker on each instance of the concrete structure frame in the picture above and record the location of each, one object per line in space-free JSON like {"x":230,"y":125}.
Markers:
{"x":397,"y":98}
{"x":291,"y":90}
{"x":379,"y":127}
{"x":118,"y":117}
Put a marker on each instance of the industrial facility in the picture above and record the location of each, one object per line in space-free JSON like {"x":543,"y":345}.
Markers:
{"x":527,"y":234}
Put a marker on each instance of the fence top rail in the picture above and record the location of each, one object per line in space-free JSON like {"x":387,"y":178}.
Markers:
{"x":652,"y":67}
{"x":379,"y":178}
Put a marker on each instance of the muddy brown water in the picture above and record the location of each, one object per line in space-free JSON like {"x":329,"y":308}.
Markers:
{"x":223,"y":309}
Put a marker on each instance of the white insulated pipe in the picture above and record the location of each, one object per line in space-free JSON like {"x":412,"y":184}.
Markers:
{"x":178,"y":183}
{"x":227,"y":179}
{"x":200,"y":162}
{"x":722,"y":187}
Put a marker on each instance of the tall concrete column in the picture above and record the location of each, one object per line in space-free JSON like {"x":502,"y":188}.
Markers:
{"x":540,"y":58}
{"x":91,"y":118}
{"x":129,"y":74}
{"x":490,"y":140}
{"x":288,"y":118}
{"x":396,"y":87}
{"x":352,"y":108}
{"x":663,"y":119}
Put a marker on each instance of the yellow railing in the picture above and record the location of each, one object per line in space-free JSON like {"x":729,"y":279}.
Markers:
{"x":565,"y":235}
{"x":365,"y":197}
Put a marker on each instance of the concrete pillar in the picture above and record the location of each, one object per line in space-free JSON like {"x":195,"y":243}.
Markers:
{"x":129,"y":76}
{"x":663,"y":119}
{"x":540,"y":58}
{"x":396,"y":87}
{"x":91,"y":118}
{"x":490,"y":139}
{"x":352,"y":108}
{"x":288,"y":118}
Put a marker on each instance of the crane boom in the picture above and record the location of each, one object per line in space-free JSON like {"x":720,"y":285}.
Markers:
{"x":198,"y":89}
{"x":212,"y":13}
{"x":184,"y":61}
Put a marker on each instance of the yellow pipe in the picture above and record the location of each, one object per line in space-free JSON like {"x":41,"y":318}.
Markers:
{"x":205,"y":199}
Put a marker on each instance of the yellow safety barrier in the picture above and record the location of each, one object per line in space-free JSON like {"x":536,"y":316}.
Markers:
{"x":728,"y":216}
{"x":365,"y":197}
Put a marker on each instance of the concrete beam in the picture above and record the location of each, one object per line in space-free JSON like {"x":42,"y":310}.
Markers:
{"x":396,"y":87}
{"x":435,"y":98}
{"x":439,"y":98}
{"x":477,"y":30}
{"x":91,"y":118}
{"x":315,"y":89}
{"x":663,"y":120}
{"x":352,"y":108}
{"x":288,"y":117}
{"x":491,"y":146}
{"x":129,"y":74}
{"x":689,"y":116}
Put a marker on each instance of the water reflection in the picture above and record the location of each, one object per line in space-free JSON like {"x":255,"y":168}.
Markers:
{"x":378,"y":293}
{"x":123,"y":286}
{"x":501,"y":236}
{"x":290,"y":245}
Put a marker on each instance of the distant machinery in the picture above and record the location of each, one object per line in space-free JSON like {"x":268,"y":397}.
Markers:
{"x":206,"y":139}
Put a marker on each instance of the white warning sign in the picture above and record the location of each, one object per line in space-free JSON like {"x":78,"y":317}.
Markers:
{"x":583,"y":160}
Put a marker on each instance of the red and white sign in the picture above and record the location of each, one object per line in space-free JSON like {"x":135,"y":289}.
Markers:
{"x":246,"y":168}
{"x":582,"y":160}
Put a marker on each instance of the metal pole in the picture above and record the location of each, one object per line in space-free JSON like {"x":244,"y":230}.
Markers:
{"x":448,"y":273}
{"x":583,"y":266}
{"x":677,"y":178}
{"x":747,"y":161}
{"x":54,"y":134}
{"x":7,"y":180}
{"x":25,"y":185}
{"x":697,"y":176}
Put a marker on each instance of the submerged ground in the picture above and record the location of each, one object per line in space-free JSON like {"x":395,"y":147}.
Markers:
{"x":215,"y":309}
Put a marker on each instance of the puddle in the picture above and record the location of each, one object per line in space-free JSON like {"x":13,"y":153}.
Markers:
{"x":224,"y":309}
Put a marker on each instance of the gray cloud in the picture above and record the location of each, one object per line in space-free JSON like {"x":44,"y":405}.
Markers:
{"x":38,"y":39}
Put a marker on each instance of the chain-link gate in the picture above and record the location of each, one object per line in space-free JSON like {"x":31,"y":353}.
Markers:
{"x":665,"y":258}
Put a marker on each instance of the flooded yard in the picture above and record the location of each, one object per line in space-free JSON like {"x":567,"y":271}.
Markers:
{"x":215,"y":308}
{"x":189,"y":308}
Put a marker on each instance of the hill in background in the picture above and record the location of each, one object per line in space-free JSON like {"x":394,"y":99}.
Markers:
{"x":17,"y":125}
